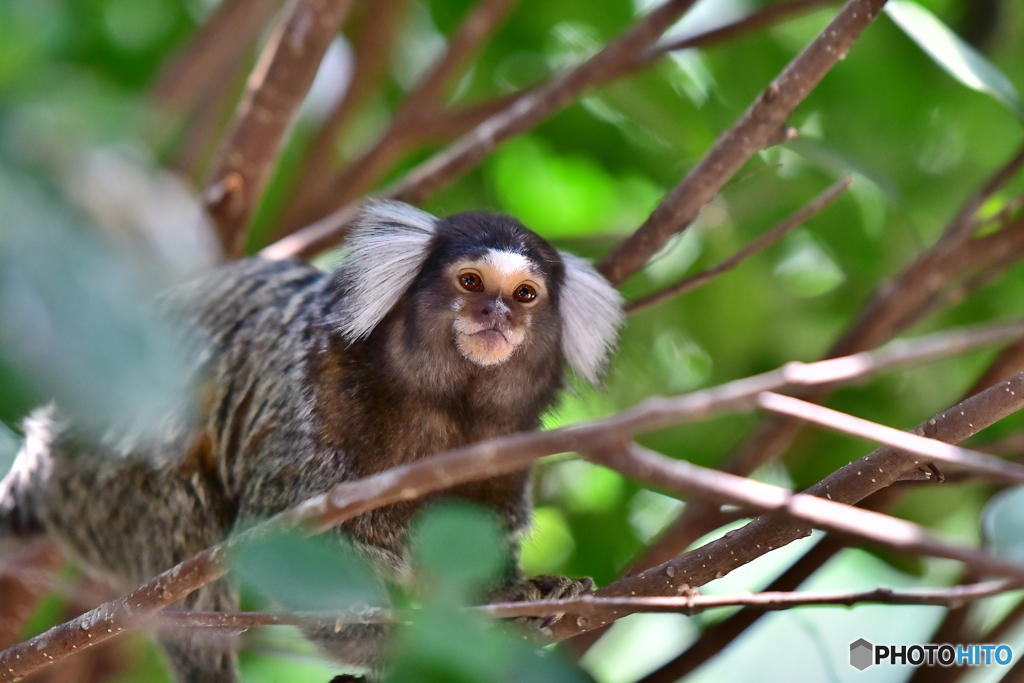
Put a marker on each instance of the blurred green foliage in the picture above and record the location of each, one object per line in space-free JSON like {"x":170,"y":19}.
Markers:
{"x":75,"y":78}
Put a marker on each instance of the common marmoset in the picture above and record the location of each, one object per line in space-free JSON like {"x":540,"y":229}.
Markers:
{"x":433,"y":334}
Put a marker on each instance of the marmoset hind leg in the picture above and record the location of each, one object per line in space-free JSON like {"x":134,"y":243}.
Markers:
{"x":127,"y":519}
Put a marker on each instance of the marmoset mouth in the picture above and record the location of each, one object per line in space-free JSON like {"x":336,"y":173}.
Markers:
{"x":487,"y":343}
{"x":491,"y":335}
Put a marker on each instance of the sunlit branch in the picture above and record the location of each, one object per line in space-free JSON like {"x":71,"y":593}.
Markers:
{"x":509,"y":454}
{"x":276,"y":88}
{"x":758,"y":245}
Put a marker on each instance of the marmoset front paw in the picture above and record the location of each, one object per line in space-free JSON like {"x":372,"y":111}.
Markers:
{"x":544,"y":587}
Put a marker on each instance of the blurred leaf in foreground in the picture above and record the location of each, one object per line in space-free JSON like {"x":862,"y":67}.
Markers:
{"x":462,"y":549}
{"x":1003,"y":523}
{"x":308,"y":574}
{"x":960,"y":60}
{"x":77,"y":321}
{"x":315,"y":573}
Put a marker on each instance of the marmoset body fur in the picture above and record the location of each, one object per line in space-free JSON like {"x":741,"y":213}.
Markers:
{"x":433,"y":334}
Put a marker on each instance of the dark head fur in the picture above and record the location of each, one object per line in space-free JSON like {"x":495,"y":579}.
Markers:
{"x":396,"y":273}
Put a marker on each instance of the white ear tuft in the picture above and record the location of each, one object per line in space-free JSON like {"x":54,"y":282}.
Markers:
{"x":386,"y":250}
{"x":592,"y":312}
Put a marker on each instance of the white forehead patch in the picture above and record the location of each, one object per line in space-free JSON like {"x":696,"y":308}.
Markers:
{"x":509,"y":263}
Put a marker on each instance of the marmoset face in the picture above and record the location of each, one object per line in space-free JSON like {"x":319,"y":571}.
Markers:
{"x":474,"y":290}
{"x":494,"y":299}
{"x":488,"y":292}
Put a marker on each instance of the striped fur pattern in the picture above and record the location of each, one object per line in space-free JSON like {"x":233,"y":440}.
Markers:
{"x":302,"y":380}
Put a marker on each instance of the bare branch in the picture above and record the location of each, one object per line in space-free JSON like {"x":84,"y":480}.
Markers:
{"x":376,"y":37}
{"x":276,"y":88}
{"x":207,"y":62}
{"x":590,"y":604}
{"x":716,"y":637}
{"x":469,"y":150}
{"x":892,"y":308}
{"x":766,"y":601}
{"x":680,"y":476}
{"x":329,"y":230}
{"x":849,"y":485}
{"x":912,"y":443}
{"x":748,"y":136}
{"x":487,"y":459}
{"x":755,"y":130}
{"x":769,"y":238}
{"x":414,"y":121}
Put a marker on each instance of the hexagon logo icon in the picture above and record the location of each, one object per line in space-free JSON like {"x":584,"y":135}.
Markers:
{"x":861,"y":654}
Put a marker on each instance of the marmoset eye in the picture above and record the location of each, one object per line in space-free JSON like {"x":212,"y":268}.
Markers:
{"x":525,"y":294}
{"x":471,"y":282}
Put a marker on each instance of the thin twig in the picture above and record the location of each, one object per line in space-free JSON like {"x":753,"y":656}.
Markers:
{"x":329,"y":230}
{"x":717,"y":637}
{"x":891,"y":309}
{"x":469,"y":150}
{"x":276,"y":88}
{"x":589,"y":604}
{"x":936,"y":451}
{"x":377,"y":35}
{"x":199,"y":70}
{"x":748,"y":136}
{"x":487,"y":459}
{"x":758,"y":245}
{"x":851,"y":484}
{"x":411,"y":123}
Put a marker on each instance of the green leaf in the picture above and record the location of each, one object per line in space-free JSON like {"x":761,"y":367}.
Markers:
{"x":317,"y":574}
{"x":1003,"y":523}
{"x":807,"y":270}
{"x":960,"y":60}
{"x":460,"y":545}
{"x":447,"y":645}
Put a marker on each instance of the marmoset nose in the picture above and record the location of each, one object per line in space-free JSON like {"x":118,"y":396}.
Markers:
{"x":492,"y":309}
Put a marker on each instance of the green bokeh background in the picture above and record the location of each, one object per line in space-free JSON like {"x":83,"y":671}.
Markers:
{"x":75,"y":78}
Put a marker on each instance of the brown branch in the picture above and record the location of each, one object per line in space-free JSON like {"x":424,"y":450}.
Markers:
{"x":452,"y":123}
{"x":748,"y":136}
{"x":931,"y":450}
{"x":763,"y":18}
{"x":205,"y":128}
{"x":469,"y":150}
{"x":478,"y":461}
{"x":414,"y":121}
{"x":821,"y":512}
{"x":849,"y":485}
{"x":715,"y":638}
{"x":891,"y":309}
{"x":758,"y":245}
{"x":25,"y":578}
{"x":376,"y":37}
{"x":331,"y":229}
{"x":276,"y":88}
{"x":951,"y":596}
{"x":206,"y":64}
{"x":482,"y":22}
